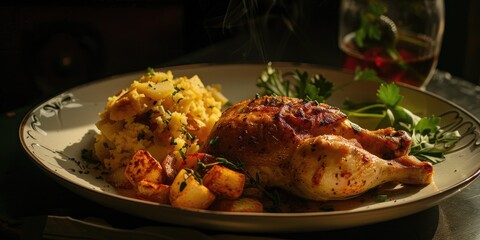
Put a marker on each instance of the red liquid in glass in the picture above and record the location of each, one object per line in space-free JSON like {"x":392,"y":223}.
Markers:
{"x":414,"y":67}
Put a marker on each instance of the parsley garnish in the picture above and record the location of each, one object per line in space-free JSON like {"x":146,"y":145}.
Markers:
{"x":296,"y":84}
{"x":429,"y":141}
{"x":300,"y":85}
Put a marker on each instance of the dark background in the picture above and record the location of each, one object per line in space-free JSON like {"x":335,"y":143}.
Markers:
{"x":47,"y":47}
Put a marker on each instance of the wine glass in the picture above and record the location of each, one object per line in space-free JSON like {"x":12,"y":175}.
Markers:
{"x":400,"y":40}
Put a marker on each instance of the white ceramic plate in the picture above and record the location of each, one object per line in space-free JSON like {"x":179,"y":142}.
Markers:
{"x":55,"y":132}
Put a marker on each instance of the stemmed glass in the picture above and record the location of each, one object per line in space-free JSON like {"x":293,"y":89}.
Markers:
{"x":400,"y":40}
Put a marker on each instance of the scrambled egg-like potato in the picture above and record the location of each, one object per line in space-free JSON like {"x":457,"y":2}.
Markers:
{"x":157,"y":113}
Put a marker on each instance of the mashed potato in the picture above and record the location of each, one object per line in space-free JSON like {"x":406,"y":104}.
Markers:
{"x":158,"y":113}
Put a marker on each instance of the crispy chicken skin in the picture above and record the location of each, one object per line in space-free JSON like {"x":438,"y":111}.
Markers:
{"x":272,"y":135}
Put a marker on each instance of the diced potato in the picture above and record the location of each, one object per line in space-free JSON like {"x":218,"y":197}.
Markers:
{"x":237,"y":205}
{"x":224,"y":182}
{"x":143,"y":166}
{"x":169,"y":165}
{"x":157,"y":91}
{"x":187,"y":192}
{"x":152,"y":191}
{"x":191,"y":160}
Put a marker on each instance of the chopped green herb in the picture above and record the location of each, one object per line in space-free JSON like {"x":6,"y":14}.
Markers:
{"x":183,"y":185}
{"x":166,"y":121}
{"x":381,"y":198}
{"x":228,"y":104}
{"x":150,"y":72}
{"x":213,"y":141}
{"x":189,"y":136}
{"x":176,"y":90}
{"x":182,"y":153}
{"x":195,"y":174}
{"x":234,"y":166}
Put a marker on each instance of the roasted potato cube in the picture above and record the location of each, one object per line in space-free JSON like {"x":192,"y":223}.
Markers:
{"x":152,"y":191}
{"x":187,"y":192}
{"x":237,"y":205}
{"x":224,"y":182}
{"x":143,"y":166}
{"x":169,"y":165}
{"x":191,"y":160}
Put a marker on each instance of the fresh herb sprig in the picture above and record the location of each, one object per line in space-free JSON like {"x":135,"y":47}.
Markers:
{"x":429,"y":141}
{"x":301,"y":85}
{"x":294,"y":84}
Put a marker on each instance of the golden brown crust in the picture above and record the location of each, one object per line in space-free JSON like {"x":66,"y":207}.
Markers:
{"x":270,"y":127}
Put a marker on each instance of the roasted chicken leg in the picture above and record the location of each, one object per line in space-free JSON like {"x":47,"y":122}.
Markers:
{"x":330,"y":167}
{"x":270,"y":136}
